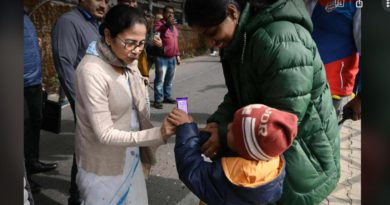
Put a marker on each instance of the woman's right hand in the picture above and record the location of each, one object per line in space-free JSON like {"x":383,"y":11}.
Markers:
{"x":167,"y":129}
{"x":211,"y":147}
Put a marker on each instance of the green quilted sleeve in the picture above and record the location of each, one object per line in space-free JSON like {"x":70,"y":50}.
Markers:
{"x":285,"y":71}
{"x":222,"y":117}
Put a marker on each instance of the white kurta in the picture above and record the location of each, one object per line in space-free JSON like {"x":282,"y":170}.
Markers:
{"x":128,"y":188}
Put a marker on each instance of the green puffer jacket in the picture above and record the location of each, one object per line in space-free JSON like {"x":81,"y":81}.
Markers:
{"x":273,"y":60}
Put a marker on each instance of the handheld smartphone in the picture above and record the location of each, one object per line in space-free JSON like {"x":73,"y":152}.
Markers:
{"x":157,"y":34}
{"x":182,"y":103}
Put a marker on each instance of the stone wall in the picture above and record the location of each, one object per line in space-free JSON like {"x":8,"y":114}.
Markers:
{"x":190,"y":43}
{"x":45,"y":14}
{"x":44,"y":18}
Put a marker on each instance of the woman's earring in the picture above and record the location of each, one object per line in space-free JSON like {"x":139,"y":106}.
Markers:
{"x":108,"y":42}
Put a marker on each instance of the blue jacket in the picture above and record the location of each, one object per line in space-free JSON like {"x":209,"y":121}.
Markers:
{"x":32,"y":56}
{"x":208,"y":181}
{"x":337,"y":33}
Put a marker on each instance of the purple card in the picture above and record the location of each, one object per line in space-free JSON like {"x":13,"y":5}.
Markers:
{"x":182,"y":103}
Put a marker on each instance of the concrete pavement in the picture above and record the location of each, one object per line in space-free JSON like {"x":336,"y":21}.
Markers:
{"x":348,"y":190}
{"x":201,"y":79}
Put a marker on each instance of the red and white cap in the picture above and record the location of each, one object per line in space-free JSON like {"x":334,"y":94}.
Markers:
{"x":261,"y":132}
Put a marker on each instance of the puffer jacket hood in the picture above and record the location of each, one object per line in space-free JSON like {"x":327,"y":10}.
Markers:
{"x":252,"y":181}
{"x":281,"y":10}
{"x":249,"y":173}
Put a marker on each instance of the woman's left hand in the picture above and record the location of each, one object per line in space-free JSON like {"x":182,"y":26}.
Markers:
{"x":212,"y":146}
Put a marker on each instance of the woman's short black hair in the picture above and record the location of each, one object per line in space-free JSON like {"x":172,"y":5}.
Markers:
{"x":120,"y":18}
{"x":205,"y":13}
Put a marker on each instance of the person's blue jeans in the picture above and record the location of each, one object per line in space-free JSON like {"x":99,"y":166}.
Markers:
{"x":165,"y":72}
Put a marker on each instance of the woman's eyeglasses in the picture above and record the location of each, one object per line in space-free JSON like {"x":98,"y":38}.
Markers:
{"x":130,"y":44}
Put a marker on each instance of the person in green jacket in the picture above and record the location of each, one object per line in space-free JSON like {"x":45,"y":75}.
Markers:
{"x":269,"y":57}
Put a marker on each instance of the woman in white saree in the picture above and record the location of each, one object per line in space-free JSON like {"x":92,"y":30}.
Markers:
{"x":114,"y":135}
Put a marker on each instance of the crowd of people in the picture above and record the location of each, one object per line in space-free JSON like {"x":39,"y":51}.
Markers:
{"x":291,"y":76}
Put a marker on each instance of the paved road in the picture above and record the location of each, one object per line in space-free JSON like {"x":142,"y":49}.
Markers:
{"x":201,"y":80}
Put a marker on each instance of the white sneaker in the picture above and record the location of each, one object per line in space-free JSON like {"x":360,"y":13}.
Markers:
{"x":214,"y":53}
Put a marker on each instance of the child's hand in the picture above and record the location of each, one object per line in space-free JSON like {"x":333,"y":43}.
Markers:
{"x":178,"y":117}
